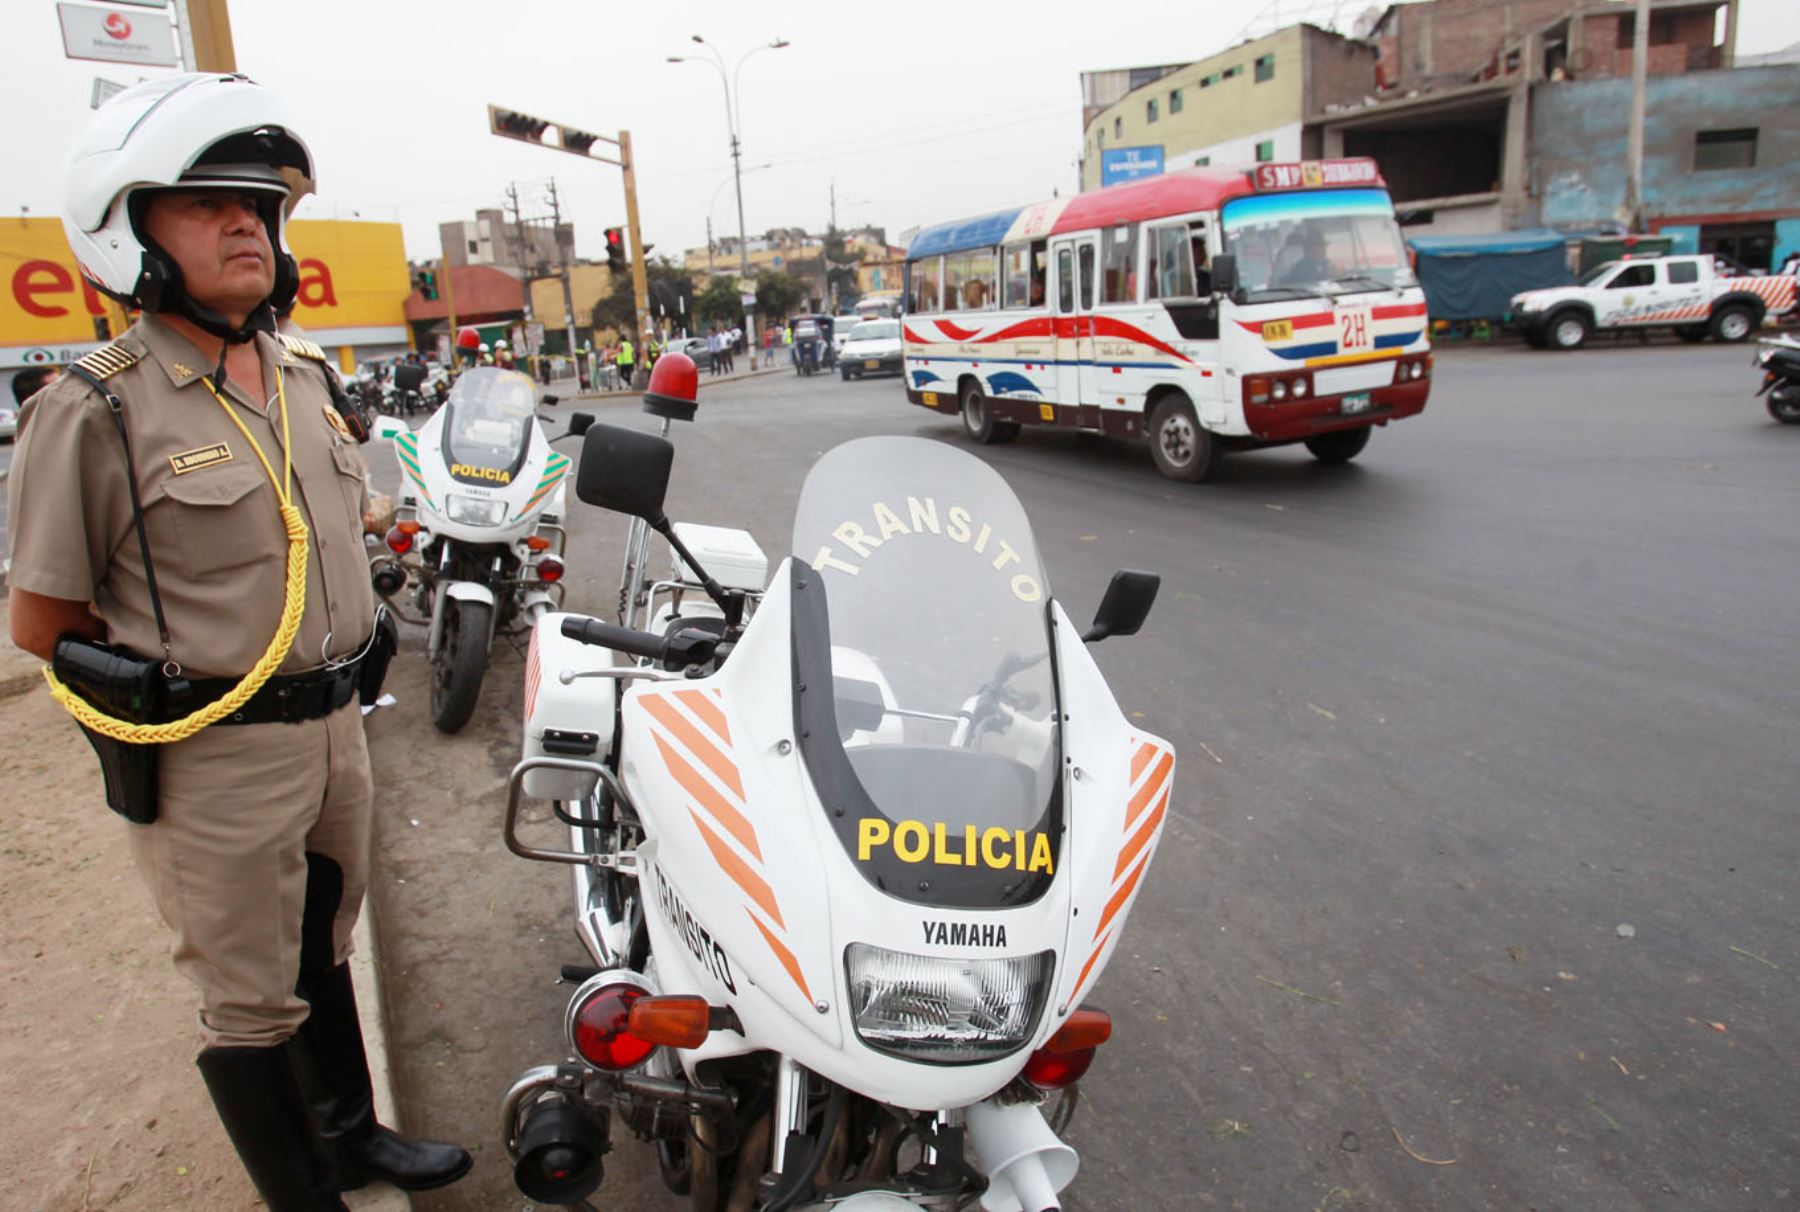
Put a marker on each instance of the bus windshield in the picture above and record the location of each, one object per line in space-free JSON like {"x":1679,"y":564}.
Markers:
{"x":1318,"y":242}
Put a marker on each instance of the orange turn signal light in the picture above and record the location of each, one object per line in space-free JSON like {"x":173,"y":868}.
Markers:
{"x":678,"y":1020}
{"x":407,"y":527}
{"x":1085,"y":1029}
{"x":537,"y":542}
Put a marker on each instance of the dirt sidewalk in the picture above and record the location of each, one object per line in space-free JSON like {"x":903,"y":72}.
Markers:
{"x":97,"y":1032}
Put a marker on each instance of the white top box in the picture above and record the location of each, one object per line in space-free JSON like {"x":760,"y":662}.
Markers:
{"x":731,"y":556}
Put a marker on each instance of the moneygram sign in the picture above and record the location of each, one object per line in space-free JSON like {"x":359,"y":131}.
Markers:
{"x":111,"y":36}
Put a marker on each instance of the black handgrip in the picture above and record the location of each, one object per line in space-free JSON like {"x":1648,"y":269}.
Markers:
{"x":619,"y":639}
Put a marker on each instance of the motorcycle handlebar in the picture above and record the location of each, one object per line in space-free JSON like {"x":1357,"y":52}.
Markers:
{"x":619,"y":639}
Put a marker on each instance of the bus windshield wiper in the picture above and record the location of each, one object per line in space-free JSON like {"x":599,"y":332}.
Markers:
{"x":1269,"y":294}
{"x":1373,"y":284}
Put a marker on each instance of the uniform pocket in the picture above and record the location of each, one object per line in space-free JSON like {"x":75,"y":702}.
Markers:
{"x":223,"y":518}
{"x":351,"y":476}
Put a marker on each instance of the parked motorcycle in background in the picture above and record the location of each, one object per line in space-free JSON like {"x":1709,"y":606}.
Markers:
{"x":478,"y":533}
{"x":1779,"y":360}
{"x":845,"y":867}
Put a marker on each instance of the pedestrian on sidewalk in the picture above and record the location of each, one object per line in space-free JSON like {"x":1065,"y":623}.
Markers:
{"x":627,"y":359}
{"x":727,"y":341}
{"x":252,"y":832}
{"x":712,"y":350}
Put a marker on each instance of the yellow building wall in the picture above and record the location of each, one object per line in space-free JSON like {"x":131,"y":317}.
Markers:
{"x":1225,"y":109}
{"x":588,"y":284}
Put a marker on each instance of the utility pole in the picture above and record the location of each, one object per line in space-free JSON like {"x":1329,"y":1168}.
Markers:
{"x":709,"y":245}
{"x":1634,"y":140}
{"x":562,"y":254}
{"x":834,"y":205}
{"x":206,"y":36}
{"x":640,"y":280}
{"x":522,"y":244}
{"x":449,"y":305}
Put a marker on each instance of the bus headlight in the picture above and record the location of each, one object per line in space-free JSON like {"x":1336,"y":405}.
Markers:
{"x":1279,"y":390}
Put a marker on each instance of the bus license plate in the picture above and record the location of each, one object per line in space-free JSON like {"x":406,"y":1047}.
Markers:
{"x":928,"y":398}
{"x":1353,"y":404}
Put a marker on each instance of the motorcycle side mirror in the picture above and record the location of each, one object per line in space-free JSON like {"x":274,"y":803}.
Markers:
{"x":1126,"y":605}
{"x":625,"y":471}
{"x":580,"y":423}
{"x":1225,"y":274}
{"x":388,"y":428}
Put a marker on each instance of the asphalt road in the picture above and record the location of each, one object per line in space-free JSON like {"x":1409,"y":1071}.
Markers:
{"x":1454,"y":721}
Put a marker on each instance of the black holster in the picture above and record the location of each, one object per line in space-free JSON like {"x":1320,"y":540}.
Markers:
{"x":127,"y":687}
{"x":373,"y":671}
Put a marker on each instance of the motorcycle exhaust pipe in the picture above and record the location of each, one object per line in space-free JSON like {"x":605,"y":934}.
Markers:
{"x":1026,"y":1165}
{"x":560,"y":1148}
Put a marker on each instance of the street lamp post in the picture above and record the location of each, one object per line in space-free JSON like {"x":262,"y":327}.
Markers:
{"x":729,"y":82}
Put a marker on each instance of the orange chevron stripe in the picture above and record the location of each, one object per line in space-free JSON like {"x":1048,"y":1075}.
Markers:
{"x":698,"y":745}
{"x":734,"y":821}
{"x":1148,"y":791}
{"x":1087,"y":968}
{"x":1141,"y":759}
{"x":739,"y":871}
{"x":708,"y":711}
{"x":1142,"y":837}
{"x":783,"y":954}
{"x":1121,"y":896}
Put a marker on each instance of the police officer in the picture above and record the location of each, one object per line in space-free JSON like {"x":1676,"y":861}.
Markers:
{"x":258,"y":853}
{"x":627,"y":360}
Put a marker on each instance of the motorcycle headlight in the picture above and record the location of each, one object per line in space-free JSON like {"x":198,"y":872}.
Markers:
{"x":474,"y":511}
{"x":946,"y":1011}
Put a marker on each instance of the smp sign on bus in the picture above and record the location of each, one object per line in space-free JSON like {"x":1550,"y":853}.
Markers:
{"x":1130,"y":163}
{"x":1316,"y":174}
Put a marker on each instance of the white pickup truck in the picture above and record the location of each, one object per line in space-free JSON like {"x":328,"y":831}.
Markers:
{"x":1697,"y":296}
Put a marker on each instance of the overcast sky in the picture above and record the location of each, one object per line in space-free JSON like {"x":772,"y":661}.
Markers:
{"x":919,"y":112}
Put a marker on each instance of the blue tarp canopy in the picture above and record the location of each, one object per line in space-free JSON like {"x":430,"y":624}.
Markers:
{"x":984,"y":232}
{"x":1474,"y":277}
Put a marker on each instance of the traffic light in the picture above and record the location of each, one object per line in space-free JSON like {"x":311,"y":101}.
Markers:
{"x":511,"y":124}
{"x":577,"y":141}
{"x":615,"y":249}
{"x":102,"y":328}
{"x":427,"y":284}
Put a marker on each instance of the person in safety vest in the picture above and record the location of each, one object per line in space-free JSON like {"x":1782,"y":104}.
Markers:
{"x":627,"y":360}
{"x":186,"y":515}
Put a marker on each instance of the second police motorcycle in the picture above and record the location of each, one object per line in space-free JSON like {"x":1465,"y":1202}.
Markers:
{"x":850,"y":844}
{"x":478,"y":536}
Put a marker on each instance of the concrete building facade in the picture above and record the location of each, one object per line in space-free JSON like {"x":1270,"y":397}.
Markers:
{"x":490,"y":238}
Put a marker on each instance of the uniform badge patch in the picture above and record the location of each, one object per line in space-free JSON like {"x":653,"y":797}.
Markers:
{"x":182,"y":370}
{"x":336,"y":420}
{"x":204,"y":456}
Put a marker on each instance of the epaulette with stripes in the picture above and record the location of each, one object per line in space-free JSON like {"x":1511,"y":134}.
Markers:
{"x":108,"y":360}
{"x":302,"y":347}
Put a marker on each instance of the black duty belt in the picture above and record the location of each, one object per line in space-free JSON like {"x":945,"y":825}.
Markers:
{"x":290,"y":699}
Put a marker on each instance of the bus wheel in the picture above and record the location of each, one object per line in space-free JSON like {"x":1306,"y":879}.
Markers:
{"x":1339,"y":447}
{"x":1182,"y":450}
{"x":979,"y":420}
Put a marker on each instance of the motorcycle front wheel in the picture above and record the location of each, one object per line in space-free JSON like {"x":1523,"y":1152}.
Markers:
{"x":461,"y":660}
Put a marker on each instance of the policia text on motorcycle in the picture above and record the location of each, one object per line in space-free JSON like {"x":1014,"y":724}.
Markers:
{"x":186,"y":512}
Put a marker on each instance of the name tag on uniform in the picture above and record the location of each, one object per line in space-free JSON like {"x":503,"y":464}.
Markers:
{"x":205,"y":456}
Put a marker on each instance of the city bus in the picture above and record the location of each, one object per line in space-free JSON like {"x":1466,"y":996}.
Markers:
{"x":1203,"y":311}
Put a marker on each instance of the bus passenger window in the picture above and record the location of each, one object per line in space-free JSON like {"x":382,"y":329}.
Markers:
{"x":1171,"y":264}
{"x":1065,"y":281}
{"x":1040,"y":266}
{"x":924,"y":296}
{"x":1202,"y":269}
{"x":1087,"y":277}
{"x":1015,"y":262}
{"x":1118,"y":260}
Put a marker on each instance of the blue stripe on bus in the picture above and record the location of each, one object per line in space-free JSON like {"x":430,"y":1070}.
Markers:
{"x":1317,"y":350}
{"x":1394,"y":340}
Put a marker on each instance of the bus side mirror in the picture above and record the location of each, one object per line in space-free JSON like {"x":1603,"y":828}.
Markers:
{"x":1126,"y":605}
{"x":1224,"y":274}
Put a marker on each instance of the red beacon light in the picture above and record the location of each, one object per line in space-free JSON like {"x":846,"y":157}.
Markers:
{"x":674,"y":388}
{"x":469,"y":338}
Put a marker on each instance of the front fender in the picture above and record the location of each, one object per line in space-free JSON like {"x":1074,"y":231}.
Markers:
{"x":469,"y":591}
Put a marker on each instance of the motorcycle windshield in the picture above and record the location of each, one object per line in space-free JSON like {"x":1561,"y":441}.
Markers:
{"x":925,"y":689}
{"x":487,"y":425}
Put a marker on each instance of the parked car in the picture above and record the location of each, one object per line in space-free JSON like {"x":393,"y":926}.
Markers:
{"x":873,"y":348}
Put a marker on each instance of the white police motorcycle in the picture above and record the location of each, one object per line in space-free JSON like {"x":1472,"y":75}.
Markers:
{"x":846,"y":869}
{"x":478,"y":533}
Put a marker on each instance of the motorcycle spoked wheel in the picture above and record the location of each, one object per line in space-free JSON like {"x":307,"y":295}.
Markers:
{"x":460,"y":664}
{"x":1784,"y":405}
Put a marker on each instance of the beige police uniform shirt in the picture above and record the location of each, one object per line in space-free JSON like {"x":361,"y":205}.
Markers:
{"x":216,"y":537}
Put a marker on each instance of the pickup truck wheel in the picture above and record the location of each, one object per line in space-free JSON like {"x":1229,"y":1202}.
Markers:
{"x":1691,"y":333}
{"x":1732,"y":324}
{"x":1569,"y":330}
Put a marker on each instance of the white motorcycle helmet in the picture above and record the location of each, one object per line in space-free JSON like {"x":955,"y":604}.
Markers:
{"x":194,"y":130}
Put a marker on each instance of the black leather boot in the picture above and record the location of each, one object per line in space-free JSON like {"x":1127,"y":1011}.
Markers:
{"x":334,"y":1074}
{"x":259,"y":1104}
